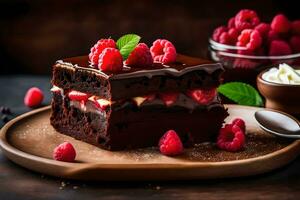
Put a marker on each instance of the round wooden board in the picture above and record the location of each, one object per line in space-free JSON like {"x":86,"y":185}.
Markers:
{"x":29,"y":140}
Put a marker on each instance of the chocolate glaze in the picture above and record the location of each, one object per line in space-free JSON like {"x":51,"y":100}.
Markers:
{"x":183,"y":64}
{"x":186,"y":73}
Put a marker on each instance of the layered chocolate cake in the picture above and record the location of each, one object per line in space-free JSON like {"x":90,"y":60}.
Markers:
{"x":134,"y":107}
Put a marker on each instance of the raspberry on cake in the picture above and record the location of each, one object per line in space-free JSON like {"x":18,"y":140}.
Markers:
{"x":97,"y":49}
{"x":163,"y":51}
{"x":110,"y":60}
{"x":135,"y":106}
{"x":140,"y":56}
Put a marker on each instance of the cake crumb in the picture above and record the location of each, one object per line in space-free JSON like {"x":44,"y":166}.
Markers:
{"x":158,"y":188}
{"x":75,"y":187}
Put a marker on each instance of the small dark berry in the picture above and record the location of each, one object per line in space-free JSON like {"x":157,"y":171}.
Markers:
{"x":5,"y":110}
{"x":4,"y":118}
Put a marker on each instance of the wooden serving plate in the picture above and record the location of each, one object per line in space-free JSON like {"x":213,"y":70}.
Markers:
{"x":29,"y":140}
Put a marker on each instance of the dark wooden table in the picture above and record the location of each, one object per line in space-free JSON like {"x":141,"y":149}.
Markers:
{"x":19,"y":183}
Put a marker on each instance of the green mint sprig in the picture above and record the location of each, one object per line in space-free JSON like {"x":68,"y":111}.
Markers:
{"x":241,"y":93}
{"x":127,"y":43}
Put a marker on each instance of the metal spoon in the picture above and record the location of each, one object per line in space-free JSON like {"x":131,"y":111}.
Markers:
{"x":278,"y":124}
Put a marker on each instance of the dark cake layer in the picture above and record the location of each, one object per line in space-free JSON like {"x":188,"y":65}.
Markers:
{"x":127,"y":126}
{"x":187,"y":73}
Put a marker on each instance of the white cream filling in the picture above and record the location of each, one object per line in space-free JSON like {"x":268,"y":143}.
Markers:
{"x":90,"y":105}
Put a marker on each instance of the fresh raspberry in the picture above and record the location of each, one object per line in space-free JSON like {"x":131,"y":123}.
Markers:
{"x":272,"y":35}
{"x":110,"y":60}
{"x":97,"y":49}
{"x":34,"y":97}
{"x":169,"y":97}
{"x":295,"y":43}
{"x":229,"y":37}
{"x":231,"y":138}
{"x":240,"y":123}
{"x":217,"y":33}
{"x":78,"y":96}
{"x":244,"y":63}
{"x":246,"y":19}
{"x":225,"y":38}
{"x":233,"y":34}
{"x":170,"y":144}
{"x":263,"y":29}
{"x":203,"y":96}
{"x":64,"y":152}
{"x":250,"y":39}
{"x":140,"y":56}
{"x":280,"y":24}
{"x":295,"y":26}
{"x":279,"y":48}
{"x":231,"y":22}
{"x":163,"y":51}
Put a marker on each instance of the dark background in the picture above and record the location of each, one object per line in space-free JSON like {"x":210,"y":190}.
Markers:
{"x":34,"y":34}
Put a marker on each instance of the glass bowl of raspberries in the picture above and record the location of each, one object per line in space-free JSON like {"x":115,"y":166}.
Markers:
{"x":247,"y":45}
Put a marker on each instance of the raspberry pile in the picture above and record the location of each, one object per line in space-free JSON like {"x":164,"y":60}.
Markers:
{"x":106,"y":56}
{"x":245,"y":29}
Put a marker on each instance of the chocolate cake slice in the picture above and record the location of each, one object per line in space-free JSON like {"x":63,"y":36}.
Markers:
{"x":135,"y":107}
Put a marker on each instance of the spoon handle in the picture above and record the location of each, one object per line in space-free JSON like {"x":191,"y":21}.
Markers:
{"x":295,"y":135}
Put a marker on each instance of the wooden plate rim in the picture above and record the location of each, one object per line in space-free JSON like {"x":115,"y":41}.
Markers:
{"x":7,"y":148}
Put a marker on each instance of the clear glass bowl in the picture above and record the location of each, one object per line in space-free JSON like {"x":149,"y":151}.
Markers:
{"x":245,"y":68}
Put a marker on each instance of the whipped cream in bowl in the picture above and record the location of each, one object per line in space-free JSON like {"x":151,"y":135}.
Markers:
{"x":280,"y":87}
{"x":284,"y":74}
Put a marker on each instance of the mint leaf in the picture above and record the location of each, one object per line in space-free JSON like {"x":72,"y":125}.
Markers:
{"x":241,"y":93}
{"x":127,"y":43}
